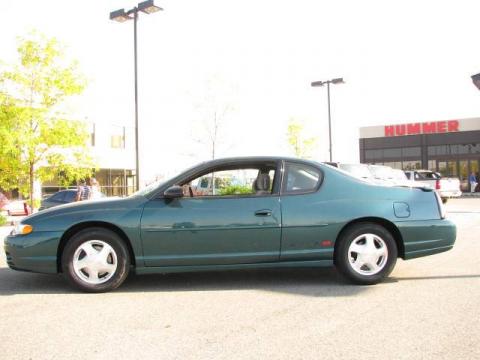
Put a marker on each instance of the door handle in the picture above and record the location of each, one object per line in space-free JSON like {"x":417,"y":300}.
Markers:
{"x":263,"y":212}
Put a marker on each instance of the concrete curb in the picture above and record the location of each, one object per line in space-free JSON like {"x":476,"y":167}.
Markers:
{"x":470,"y":195}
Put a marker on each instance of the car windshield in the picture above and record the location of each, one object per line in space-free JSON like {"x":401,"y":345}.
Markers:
{"x":149,"y":188}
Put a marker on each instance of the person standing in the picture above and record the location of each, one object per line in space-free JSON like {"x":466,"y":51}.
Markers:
{"x":473,"y":182}
{"x":83,"y":191}
{"x":95,"y":192}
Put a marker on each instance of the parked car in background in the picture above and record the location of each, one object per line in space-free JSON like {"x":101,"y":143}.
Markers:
{"x":447,"y":187}
{"x":358,"y":170}
{"x":295,"y":213}
{"x":377,"y":174}
{"x":60,"y":198}
{"x":14,"y":207}
{"x":390,"y":176}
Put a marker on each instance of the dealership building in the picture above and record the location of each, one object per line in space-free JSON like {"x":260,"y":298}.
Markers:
{"x":113,"y":150}
{"x":451,"y":147}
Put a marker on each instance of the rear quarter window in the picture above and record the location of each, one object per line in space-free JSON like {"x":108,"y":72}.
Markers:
{"x":301,"y":178}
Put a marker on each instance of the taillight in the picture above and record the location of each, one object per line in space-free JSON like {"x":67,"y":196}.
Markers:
{"x":437,"y":185}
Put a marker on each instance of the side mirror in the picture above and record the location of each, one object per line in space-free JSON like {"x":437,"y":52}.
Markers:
{"x":173,"y":192}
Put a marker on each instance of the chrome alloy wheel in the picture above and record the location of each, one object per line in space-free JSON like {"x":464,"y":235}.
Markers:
{"x":368,"y":254}
{"x":95,"y":262}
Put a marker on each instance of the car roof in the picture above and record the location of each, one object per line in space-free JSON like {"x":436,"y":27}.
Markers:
{"x":228,"y":160}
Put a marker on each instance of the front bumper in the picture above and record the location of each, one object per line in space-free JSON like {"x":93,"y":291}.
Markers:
{"x":426,"y":237}
{"x":36,"y":252}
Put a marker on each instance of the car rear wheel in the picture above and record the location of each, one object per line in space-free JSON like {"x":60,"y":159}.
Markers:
{"x":366,"y":253}
{"x":96,"y":260}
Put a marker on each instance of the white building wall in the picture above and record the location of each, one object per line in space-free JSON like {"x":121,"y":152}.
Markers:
{"x":108,"y":157}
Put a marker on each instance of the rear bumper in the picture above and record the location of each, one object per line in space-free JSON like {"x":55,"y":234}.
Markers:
{"x":428,"y":237}
{"x":36,"y":252}
{"x":449,"y":194}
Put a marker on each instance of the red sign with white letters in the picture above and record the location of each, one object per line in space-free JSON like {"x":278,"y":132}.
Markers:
{"x":433,"y":127}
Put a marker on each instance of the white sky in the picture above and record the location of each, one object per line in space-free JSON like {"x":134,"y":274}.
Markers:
{"x":402,"y":61}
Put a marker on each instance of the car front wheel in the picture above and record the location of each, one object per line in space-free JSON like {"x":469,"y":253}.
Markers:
{"x":96,"y":260}
{"x":366,"y":253}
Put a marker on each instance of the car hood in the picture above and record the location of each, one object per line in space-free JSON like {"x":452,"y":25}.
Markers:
{"x":87,"y":206}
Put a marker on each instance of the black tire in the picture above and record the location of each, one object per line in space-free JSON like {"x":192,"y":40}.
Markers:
{"x":103,"y":236}
{"x":342,"y":257}
{"x":444,"y":200}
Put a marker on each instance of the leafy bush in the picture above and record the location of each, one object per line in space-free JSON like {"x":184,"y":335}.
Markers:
{"x":3,"y":220}
{"x":236,"y":190}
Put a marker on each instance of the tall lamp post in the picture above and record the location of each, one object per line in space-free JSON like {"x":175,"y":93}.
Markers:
{"x":147,"y":7}
{"x":328,"y":82}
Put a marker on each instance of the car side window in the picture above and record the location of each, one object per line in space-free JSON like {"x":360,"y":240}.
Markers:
{"x":419,"y":176}
{"x":248,"y":181}
{"x":300,"y":178}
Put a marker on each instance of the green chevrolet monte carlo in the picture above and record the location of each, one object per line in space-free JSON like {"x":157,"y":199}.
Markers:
{"x":239,"y":213}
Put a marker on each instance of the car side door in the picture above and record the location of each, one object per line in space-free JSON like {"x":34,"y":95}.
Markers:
{"x":228,"y":223}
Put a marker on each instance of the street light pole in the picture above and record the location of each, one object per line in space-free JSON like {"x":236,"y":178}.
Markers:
{"x":137,"y":161}
{"x":329,"y":123}
{"x":328,"y":82}
{"x":147,"y":7}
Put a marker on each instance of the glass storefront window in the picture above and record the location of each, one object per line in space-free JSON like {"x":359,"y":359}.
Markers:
{"x":463,"y":169}
{"x":452,"y":168}
{"x":432,"y":165}
{"x":394,"y":164}
{"x":412,"y":165}
{"x":392,"y":153}
{"x":442,"y":167}
{"x":411,"y":152}
{"x":116,"y":182}
{"x":463,"y":174}
{"x":373,"y":154}
{"x":474,"y":166}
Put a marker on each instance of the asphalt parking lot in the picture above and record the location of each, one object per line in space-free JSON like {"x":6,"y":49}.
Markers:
{"x":429,"y":308}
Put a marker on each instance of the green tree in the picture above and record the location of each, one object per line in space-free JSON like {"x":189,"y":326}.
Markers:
{"x":38,"y":142}
{"x":301,"y":146}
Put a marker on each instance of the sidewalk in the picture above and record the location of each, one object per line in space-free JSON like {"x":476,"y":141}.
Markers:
{"x":470,"y":195}
{"x":4,"y":231}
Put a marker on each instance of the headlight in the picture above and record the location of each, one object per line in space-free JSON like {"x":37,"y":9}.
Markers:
{"x":21,"y":229}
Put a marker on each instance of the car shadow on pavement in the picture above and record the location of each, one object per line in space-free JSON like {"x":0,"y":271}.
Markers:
{"x":316,"y":282}
{"x":438,"y":277}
